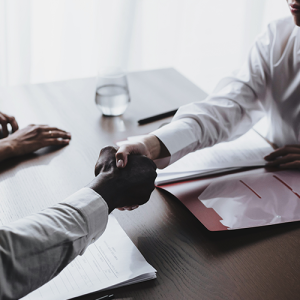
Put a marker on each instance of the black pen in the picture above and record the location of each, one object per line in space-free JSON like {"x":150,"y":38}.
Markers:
{"x":107,"y":297}
{"x":157,"y":117}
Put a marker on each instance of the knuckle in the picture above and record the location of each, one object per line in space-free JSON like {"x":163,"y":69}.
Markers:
{"x":3,"y":121}
{"x":35,"y":131}
{"x":43,"y":143}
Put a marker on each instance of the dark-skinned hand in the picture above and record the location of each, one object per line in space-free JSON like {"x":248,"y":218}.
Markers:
{"x":127,"y":187}
{"x":34,"y":137}
{"x":6,"y":119}
{"x":287,"y":157}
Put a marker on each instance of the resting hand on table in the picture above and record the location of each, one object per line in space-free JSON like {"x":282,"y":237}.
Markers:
{"x":127,"y":187}
{"x":32,"y":138}
{"x":6,"y":119}
{"x":287,"y":157}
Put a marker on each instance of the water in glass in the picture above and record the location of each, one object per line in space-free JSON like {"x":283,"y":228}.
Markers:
{"x":112,"y":99}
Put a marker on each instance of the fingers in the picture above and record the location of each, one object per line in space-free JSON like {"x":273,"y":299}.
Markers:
{"x":3,"y":123}
{"x":55,"y":142}
{"x":49,"y":136}
{"x":46,"y":132}
{"x":131,"y":148}
{"x":14,"y":125}
{"x":284,"y":159}
{"x":6,"y":119}
{"x":283,"y":151}
{"x":12,"y":121}
{"x":287,"y":157}
{"x":53,"y":136}
{"x":106,"y":159}
{"x":122,"y":156}
{"x":57,"y":134}
{"x":45,"y":128}
{"x":291,"y":165}
{"x":128,"y":207}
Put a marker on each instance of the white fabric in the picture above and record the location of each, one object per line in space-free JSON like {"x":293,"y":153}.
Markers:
{"x":268,"y":84}
{"x":35,"y":249}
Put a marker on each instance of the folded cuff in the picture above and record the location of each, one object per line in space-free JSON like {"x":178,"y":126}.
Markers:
{"x":93,"y":209}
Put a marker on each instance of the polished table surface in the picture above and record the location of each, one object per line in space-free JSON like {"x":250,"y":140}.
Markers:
{"x":192,"y":263}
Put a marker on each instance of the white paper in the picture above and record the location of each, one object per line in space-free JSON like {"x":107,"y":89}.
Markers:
{"x":113,"y":260}
{"x":247,"y":151}
{"x":164,"y":178}
{"x":255,"y":200}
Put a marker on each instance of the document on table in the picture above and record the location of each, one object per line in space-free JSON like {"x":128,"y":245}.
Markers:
{"x":112,"y":261}
{"x":242,"y":200}
{"x":247,"y":151}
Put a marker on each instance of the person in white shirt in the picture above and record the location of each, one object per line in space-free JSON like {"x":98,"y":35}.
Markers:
{"x":35,"y":249}
{"x":268,"y":85}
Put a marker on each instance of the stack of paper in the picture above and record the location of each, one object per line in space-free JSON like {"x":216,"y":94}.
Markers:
{"x":110,"y":262}
{"x":247,"y":151}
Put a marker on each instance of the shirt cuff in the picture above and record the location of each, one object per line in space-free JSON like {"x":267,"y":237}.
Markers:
{"x":177,"y":135}
{"x":94,"y":210}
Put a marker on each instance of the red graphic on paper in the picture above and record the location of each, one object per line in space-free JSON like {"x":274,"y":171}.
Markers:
{"x":250,"y":188}
{"x":286,"y":185}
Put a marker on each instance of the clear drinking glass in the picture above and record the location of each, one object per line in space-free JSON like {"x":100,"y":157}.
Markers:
{"x":112,"y":93}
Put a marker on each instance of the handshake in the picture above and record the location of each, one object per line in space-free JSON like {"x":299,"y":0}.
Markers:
{"x":126,"y":187}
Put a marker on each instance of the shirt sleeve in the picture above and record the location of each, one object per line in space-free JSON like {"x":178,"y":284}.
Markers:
{"x":35,"y":249}
{"x":232,"y":109}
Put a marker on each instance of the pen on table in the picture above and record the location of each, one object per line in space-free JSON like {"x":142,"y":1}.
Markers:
{"x":107,"y":297}
{"x":157,"y":117}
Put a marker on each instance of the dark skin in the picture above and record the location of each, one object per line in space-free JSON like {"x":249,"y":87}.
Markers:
{"x":28,"y":139}
{"x":6,"y":119}
{"x":128,"y":187}
{"x":287,"y":157}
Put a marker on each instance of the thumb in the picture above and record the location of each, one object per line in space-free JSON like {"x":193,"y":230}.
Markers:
{"x":122,"y":157}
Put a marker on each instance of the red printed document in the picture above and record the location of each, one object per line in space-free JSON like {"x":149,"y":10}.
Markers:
{"x":241,"y":200}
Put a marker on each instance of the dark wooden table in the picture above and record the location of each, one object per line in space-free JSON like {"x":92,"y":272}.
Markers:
{"x":192,"y":263}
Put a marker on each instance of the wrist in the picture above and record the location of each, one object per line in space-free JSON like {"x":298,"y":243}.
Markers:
{"x":6,"y":149}
{"x":100,"y":185}
{"x":155,"y":146}
{"x":152,"y":144}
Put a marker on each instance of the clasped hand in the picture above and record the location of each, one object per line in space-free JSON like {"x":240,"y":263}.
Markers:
{"x":123,"y":187}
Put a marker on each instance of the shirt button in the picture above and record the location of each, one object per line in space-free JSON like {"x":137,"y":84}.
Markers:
{"x":93,"y":240}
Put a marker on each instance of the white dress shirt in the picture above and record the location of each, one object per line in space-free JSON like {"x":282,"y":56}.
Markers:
{"x":35,"y":249}
{"x":268,"y":85}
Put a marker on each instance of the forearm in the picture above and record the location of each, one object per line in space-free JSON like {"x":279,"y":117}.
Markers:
{"x":224,"y":116}
{"x":35,"y":249}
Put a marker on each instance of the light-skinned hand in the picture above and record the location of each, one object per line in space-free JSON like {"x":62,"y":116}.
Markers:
{"x":148,"y":145}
